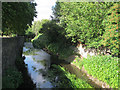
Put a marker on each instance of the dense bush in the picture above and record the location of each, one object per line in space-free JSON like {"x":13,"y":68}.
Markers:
{"x":40,"y":41}
{"x":110,"y":37}
{"x":60,"y":49}
{"x":53,"y":40}
{"x":12,"y":79}
{"x":56,"y":48}
{"x":105,"y":68}
{"x":92,"y":23}
{"x":82,"y":21}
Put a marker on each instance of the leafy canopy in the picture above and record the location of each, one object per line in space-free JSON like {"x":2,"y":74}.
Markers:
{"x":16,"y":16}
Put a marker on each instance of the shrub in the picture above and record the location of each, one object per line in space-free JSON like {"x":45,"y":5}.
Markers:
{"x":40,"y":41}
{"x":62,"y":50}
{"x":53,"y":39}
{"x":12,"y":79}
{"x":110,"y":38}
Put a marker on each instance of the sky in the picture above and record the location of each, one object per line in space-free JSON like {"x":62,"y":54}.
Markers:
{"x":44,"y":9}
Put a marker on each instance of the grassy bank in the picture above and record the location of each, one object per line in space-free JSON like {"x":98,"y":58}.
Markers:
{"x":65,"y":79}
{"x":104,"y":68}
{"x":76,"y":82}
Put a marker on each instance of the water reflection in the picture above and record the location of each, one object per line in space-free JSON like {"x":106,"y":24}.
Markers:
{"x":37,"y":60}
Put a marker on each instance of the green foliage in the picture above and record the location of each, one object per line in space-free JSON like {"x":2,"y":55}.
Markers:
{"x":66,"y":79}
{"x":62,"y":50}
{"x":76,"y":82}
{"x":63,"y":81}
{"x":93,"y":23}
{"x":52,"y":31}
{"x":12,"y":79}
{"x":16,"y":16}
{"x":82,"y":21}
{"x":110,"y":37}
{"x":29,"y":31}
{"x":36,"y":27}
{"x":36,"y":37}
{"x":53,"y":39}
{"x":78,"y":62}
{"x":40,"y":41}
{"x":105,"y":68}
{"x":58,"y":47}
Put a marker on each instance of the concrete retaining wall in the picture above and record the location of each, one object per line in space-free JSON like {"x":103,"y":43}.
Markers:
{"x":11,"y":49}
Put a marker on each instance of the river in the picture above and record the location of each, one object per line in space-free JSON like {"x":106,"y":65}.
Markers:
{"x":38,"y":60}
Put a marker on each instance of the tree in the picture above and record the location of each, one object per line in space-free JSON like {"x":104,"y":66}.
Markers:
{"x":16,"y":16}
{"x":110,"y":37}
{"x":82,"y":21}
{"x":36,"y":27}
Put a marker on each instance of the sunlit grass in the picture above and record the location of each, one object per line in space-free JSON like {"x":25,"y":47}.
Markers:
{"x":104,"y":68}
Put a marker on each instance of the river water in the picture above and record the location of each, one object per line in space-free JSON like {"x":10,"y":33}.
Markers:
{"x":37,"y":60}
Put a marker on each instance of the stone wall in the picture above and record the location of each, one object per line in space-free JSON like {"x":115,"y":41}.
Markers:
{"x":83,"y":52}
{"x":81,"y":49}
{"x":11,"y":49}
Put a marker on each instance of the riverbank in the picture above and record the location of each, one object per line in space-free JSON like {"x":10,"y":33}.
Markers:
{"x":61,"y":78}
{"x":101,"y":69}
{"x":97,"y":82}
{"x":55,"y":74}
{"x":27,"y":82}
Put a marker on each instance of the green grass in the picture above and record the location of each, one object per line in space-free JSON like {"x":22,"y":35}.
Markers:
{"x":73,"y":80}
{"x":65,"y":79}
{"x":104,"y":68}
{"x":76,"y":82}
